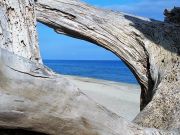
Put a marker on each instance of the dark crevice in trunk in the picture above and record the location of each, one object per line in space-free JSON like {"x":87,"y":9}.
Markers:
{"x":147,"y":93}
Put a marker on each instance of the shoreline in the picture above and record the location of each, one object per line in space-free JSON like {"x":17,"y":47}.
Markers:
{"x":121,"y":98}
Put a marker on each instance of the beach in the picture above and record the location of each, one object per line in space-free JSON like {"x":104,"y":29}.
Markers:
{"x":120,"y":98}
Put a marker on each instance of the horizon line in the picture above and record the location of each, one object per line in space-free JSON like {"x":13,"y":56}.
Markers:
{"x":81,"y":60}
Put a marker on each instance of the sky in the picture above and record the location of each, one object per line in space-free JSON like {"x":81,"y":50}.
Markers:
{"x":59,"y":47}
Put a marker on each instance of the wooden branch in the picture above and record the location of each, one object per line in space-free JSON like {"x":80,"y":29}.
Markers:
{"x":53,"y":105}
{"x":150,"y":48}
{"x":110,"y":30}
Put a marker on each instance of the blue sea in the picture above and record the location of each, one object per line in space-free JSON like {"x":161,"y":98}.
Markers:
{"x":99,"y":69}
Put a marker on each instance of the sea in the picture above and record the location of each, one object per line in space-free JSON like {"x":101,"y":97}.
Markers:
{"x":112,"y":70}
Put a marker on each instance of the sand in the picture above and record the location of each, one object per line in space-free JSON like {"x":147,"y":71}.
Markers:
{"x":121,"y":98}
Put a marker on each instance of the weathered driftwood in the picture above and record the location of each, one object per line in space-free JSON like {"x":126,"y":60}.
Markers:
{"x":150,"y":48}
{"x":34,"y":98}
{"x":17,"y":31}
{"x":110,"y":30}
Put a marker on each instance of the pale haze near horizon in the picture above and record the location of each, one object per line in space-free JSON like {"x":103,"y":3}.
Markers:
{"x":54,"y":46}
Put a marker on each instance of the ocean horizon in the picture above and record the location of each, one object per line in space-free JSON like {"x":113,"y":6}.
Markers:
{"x":112,"y":70}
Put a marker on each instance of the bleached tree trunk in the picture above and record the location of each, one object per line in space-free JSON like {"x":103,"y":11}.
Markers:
{"x":35,"y":99}
{"x":17,"y":28}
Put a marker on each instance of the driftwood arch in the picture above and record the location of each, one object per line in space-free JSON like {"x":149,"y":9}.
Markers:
{"x":34,"y":98}
{"x":134,"y":39}
{"x":101,"y":29}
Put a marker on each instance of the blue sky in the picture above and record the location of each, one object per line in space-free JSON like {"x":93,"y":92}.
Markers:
{"x":55,"y":46}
